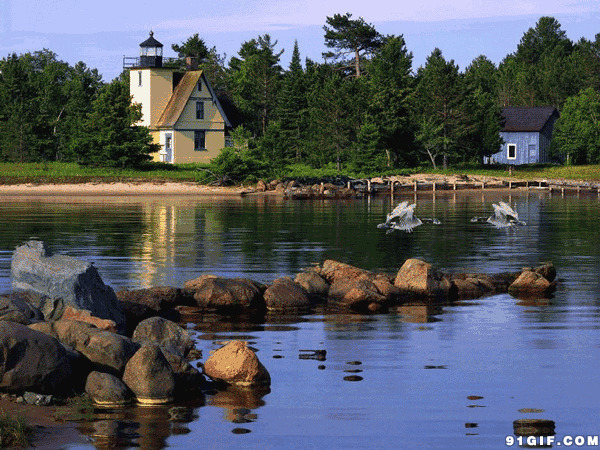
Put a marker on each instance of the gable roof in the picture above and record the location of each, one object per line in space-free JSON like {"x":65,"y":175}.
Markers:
{"x":181,"y":95}
{"x":527,"y":118}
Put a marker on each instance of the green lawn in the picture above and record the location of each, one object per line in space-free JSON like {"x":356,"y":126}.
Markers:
{"x":42,"y":173}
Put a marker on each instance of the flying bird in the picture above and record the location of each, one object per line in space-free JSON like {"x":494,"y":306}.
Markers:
{"x":504,"y":216}
{"x":402,"y":218}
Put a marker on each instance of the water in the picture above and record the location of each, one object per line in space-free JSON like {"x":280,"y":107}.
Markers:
{"x":455,"y":376}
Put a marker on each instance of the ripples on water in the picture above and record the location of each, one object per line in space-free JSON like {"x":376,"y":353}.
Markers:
{"x":429,"y":377}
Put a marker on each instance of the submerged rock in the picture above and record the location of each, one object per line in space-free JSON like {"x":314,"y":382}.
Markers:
{"x":531,"y":284}
{"x":236,"y":364}
{"x":227,"y":293}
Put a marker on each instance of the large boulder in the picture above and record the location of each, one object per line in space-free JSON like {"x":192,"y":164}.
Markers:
{"x":228,"y":293}
{"x":420,"y":279}
{"x":168,"y":335}
{"x":76,"y":282}
{"x":334,"y":271}
{"x":236,"y":364}
{"x":187,"y":377}
{"x":358,"y":295}
{"x":149,"y":376}
{"x":14,"y":309}
{"x":106,"y":389}
{"x":32,"y":361}
{"x":107,"y":351}
{"x":285,"y":295}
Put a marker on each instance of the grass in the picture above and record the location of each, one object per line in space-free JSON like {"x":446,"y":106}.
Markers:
{"x":14,"y":432}
{"x":77,"y":409}
{"x":56,"y":173}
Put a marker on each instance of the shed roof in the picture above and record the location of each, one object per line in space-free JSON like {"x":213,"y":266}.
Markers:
{"x":180,"y":97}
{"x":527,"y":118}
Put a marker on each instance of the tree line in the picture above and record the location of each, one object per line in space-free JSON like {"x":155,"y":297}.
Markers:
{"x":364,"y":109}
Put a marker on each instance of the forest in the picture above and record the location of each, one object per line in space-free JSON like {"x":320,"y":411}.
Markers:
{"x":363,"y":109}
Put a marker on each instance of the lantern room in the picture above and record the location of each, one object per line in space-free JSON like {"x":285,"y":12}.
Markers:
{"x":151,"y":52}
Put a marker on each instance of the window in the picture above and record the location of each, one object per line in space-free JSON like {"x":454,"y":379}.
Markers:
{"x":199,"y":140}
{"x":512,"y":151}
{"x":199,"y":110}
{"x":200,"y":86}
{"x":140,"y":78}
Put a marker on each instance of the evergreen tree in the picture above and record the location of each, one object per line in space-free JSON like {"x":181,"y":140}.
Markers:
{"x":350,"y":37}
{"x":109,"y":136}
{"x":194,"y":47}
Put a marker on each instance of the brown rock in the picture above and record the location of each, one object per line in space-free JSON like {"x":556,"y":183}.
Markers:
{"x":261,"y":186}
{"x":81,"y":315}
{"x":285,"y":294}
{"x":530,"y":284}
{"x":168,"y":335}
{"x":420,"y":279}
{"x":149,"y":376}
{"x":334,"y":271}
{"x":158,"y":298}
{"x":236,"y":364}
{"x":355,"y":294}
{"x":546,"y":270}
{"x":229,"y":293}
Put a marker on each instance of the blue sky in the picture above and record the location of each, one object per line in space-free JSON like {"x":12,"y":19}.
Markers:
{"x":101,"y":33}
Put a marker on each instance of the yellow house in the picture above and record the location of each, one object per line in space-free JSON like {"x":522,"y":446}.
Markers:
{"x":180,"y":109}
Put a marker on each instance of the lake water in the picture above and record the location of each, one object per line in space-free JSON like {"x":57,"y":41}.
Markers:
{"x":455,"y":376}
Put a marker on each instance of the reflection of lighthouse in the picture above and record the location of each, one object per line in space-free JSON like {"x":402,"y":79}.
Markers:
{"x":5,"y":16}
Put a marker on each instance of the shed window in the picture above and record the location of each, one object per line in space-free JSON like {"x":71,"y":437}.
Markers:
{"x":199,"y":140}
{"x":199,"y":110}
{"x":512,"y":151}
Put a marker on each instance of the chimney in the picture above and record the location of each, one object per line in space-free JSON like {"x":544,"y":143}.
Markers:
{"x":191,"y":63}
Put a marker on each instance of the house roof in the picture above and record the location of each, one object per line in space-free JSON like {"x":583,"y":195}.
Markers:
{"x":180,"y":97}
{"x":527,"y":118}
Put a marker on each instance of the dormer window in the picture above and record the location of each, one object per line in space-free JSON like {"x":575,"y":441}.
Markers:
{"x":200,"y":86}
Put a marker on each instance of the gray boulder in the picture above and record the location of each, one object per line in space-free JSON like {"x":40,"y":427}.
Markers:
{"x":168,"y":335}
{"x":149,"y":376}
{"x":31,"y":361}
{"x":76,"y":282}
{"x":106,"y":389}
{"x":313,"y":283}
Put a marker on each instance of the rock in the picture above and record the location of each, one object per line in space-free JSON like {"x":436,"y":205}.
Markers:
{"x":14,"y":309}
{"x":531,"y":284}
{"x":261,"y":186}
{"x":196,"y":283}
{"x":186,"y":377}
{"x":355,"y":294}
{"x":419,"y":279}
{"x":149,"y":376}
{"x":160,"y":299}
{"x":50,"y":308}
{"x":31,"y":398}
{"x":106,"y":389}
{"x":229,"y":294}
{"x":546,"y":270}
{"x":82,"y":315}
{"x":108,"y":352}
{"x":533,"y":427}
{"x":285,"y":294}
{"x":334,"y":271}
{"x":166,"y":334}
{"x":313,"y":283}
{"x":76,"y":282}
{"x":32,"y":361}
{"x":236,"y":364}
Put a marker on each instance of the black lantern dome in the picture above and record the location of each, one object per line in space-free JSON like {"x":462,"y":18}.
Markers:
{"x":151,"y":52}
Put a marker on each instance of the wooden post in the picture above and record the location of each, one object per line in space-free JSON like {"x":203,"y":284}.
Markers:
{"x":509,"y":185}
{"x":454,"y":186}
{"x":416,"y":185}
{"x":434,"y":186}
{"x":483,"y":185}
{"x":369,"y":186}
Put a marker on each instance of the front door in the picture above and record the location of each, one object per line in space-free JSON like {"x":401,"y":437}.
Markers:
{"x":168,"y":147}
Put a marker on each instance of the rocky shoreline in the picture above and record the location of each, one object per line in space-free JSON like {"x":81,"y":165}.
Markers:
{"x":64,"y":332}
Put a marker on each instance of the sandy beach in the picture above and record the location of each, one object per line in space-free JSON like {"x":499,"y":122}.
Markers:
{"x":119,"y":189}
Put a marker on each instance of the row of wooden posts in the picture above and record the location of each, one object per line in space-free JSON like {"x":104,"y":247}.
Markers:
{"x":537,"y":184}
